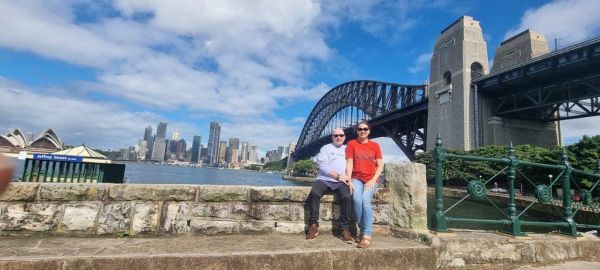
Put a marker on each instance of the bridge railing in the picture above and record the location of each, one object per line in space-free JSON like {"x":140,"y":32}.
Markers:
{"x":559,"y":203}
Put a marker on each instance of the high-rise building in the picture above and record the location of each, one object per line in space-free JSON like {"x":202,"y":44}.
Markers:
{"x":150,"y":144}
{"x":161,"y":130}
{"x":203,"y":152}
{"x":142,"y":149}
{"x":180,"y":149}
{"x":213,"y":143}
{"x":222,"y":152}
{"x":252,"y":154}
{"x":196,"y":147}
{"x":244,"y":153}
{"x":159,"y":149}
{"x":148,"y":134}
{"x":233,"y":150}
{"x":176,"y":135}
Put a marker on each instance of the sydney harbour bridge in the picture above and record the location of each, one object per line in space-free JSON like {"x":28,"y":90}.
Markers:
{"x":528,"y":91}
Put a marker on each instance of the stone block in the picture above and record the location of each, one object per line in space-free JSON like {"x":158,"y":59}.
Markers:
{"x":297,"y":212}
{"x":20,"y":192}
{"x":380,"y":214}
{"x":326,"y":211}
{"x":270,"y":211}
{"x":30,"y":216}
{"x":145,"y":218}
{"x":114,"y":218}
{"x":382,"y":195}
{"x":212,"y":227}
{"x":240,"y":211}
{"x":175,"y":218}
{"x":279,"y":194}
{"x":289,"y":227}
{"x":211,"y":210}
{"x":72,"y":192}
{"x":133,"y":192}
{"x":407,"y":195}
{"x":211,"y":193}
{"x":257,"y":226}
{"x":80,"y":217}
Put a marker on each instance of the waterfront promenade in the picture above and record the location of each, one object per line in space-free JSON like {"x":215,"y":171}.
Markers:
{"x":290,"y":251}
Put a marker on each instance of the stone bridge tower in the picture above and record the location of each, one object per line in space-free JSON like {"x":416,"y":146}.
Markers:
{"x":457,"y":111}
{"x":460,"y":53}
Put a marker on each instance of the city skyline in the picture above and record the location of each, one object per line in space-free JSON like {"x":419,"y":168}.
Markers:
{"x":204,"y":68}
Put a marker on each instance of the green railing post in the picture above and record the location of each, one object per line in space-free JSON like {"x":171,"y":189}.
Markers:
{"x":439,"y":221}
{"x":512,"y":205}
{"x":567,"y":198}
{"x":25,"y":170}
{"x":598,"y":173}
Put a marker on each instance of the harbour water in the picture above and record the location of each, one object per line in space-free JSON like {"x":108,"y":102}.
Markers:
{"x":146,"y":173}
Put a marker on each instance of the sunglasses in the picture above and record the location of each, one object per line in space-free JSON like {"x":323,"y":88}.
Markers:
{"x":362,"y":129}
{"x":338,"y":135}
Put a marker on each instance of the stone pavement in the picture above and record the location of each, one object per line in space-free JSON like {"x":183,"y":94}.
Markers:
{"x":273,"y":251}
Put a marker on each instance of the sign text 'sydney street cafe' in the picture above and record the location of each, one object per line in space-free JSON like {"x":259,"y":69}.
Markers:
{"x":57,"y":158}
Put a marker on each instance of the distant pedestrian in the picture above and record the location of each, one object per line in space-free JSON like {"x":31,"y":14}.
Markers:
{"x":7,"y":169}
{"x":364,"y":163}
{"x":331,"y":178}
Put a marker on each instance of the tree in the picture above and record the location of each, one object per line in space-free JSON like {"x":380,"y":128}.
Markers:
{"x":303,"y":167}
{"x":273,"y":166}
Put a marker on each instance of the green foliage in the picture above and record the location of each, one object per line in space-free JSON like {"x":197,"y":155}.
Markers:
{"x":303,"y":167}
{"x":274,"y":166}
{"x":583,"y":155}
{"x":254,"y":167}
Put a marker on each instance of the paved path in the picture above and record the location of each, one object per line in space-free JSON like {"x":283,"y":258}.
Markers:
{"x":274,"y":251}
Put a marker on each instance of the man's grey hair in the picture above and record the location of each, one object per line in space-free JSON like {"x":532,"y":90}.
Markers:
{"x":341,"y":129}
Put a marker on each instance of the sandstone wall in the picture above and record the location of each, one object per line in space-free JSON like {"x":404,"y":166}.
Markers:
{"x":138,"y":209}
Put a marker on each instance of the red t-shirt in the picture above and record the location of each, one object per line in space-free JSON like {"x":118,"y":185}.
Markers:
{"x":364,"y":156}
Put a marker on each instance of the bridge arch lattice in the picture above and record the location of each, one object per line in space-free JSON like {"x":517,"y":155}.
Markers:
{"x":394,"y":110}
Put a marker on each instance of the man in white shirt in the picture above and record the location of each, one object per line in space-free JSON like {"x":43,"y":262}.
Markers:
{"x":331,"y":178}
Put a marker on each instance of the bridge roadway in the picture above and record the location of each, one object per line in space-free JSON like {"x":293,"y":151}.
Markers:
{"x":280,"y":251}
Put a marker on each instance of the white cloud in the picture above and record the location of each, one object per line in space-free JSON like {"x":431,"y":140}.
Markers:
{"x":421,"y":64}
{"x":567,"y":20}
{"x":257,"y":53}
{"x":573,"y":130}
{"x":102,"y":123}
{"x":390,"y":151}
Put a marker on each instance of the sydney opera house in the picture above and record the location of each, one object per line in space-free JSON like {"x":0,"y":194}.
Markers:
{"x":16,"y":141}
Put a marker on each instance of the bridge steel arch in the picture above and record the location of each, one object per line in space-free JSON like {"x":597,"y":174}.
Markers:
{"x":394,"y":110}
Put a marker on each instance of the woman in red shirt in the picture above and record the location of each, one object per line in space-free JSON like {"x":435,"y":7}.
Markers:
{"x":364,"y":163}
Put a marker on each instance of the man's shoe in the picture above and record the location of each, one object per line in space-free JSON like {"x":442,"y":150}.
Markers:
{"x":313,"y":231}
{"x":347,"y":236}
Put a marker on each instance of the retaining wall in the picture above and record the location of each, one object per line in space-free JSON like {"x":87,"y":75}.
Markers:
{"x":139,"y":209}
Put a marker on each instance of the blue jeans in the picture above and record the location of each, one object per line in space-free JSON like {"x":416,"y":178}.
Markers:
{"x":363,"y":211}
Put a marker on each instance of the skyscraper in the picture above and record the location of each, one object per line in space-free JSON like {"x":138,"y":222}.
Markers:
{"x":252,"y":157}
{"x":222,"y":152}
{"x":176,"y":135}
{"x":196,"y":147}
{"x":233,"y":150}
{"x":161,"y":130}
{"x":148,"y":134}
{"x":214,"y":138}
{"x":244,"y":153}
{"x":158,"y":150}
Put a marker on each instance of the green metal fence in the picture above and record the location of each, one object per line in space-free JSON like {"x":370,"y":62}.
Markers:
{"x":561,"y":175}
{"x":62,"y":171}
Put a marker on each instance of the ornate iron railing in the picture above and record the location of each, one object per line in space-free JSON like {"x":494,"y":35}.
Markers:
{"x":565,"y":208}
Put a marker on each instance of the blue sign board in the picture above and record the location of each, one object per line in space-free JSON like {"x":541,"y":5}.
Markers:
{"x":57,"y":158}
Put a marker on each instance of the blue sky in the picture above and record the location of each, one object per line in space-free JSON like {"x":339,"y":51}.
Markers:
{"x":100,"y":72}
